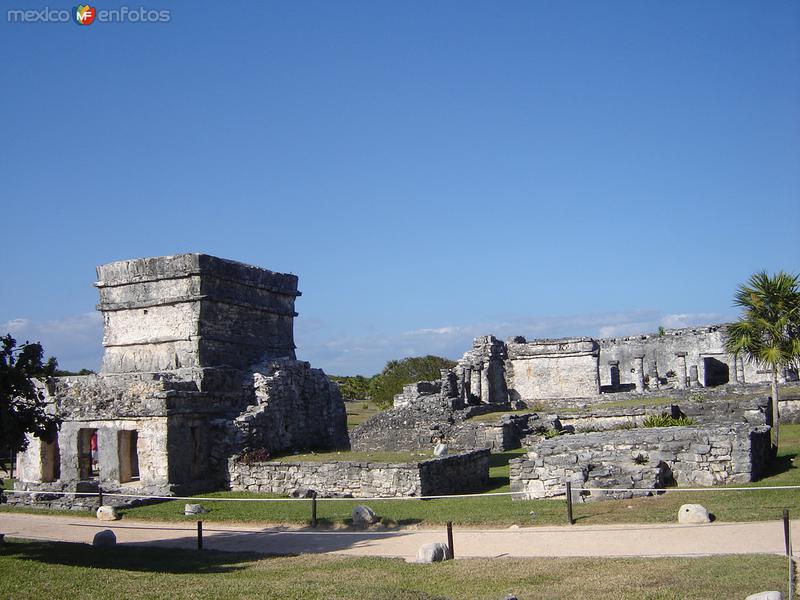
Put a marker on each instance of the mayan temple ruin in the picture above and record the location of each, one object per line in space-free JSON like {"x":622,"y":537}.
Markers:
{"x":199,"y":366}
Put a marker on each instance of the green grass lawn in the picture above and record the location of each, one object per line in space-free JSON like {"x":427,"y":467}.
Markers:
{"x":35,"y":570}
{"x":358,"y":412}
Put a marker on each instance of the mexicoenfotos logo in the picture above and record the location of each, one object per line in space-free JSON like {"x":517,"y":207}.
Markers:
{"x":83,"y":14}
{"x":86,"y":14}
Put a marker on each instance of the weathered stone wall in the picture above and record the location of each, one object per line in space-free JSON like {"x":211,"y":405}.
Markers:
{"x":193,"y":310}
{"x":695,"y":344}
{"x":414,"y":391}
{"x":290,"y":406}
{"x":565,"y":368}
{"x":642,"y":458}
{"x":453,"y":474}
{"x":480,"y":374}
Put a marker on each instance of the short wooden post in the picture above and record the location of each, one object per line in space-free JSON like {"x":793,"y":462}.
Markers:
{"x":450,"y":552}
{"x":199,"y":535}
{"x":100,"y":496}
{"x":786,"y":537}
{"x":313,"y":508}
{"x":570,"y":520}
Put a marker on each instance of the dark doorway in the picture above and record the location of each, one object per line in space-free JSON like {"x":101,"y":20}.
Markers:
{"x":88,"y":453}
{"x":716,"y":372}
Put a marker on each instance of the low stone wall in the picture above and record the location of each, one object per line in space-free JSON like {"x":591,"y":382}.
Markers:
{"x":642,"y":458}
{"x":468,"y":472}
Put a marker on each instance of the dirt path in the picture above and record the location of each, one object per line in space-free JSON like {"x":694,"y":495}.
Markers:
{"x":592,"y":540}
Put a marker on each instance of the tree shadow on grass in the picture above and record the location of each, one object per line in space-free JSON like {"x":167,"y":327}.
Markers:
{"x":781,"y":464}
{"x":129,"y":558}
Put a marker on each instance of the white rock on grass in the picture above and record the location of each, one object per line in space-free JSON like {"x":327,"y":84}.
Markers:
{"x":431,"y":553}
{"x":194,"y":509}
{"x":104,"y":539}
{"x":440,"y":450}
{"x":107,"y":513}
{"x":363,"y":516}
{"x":765,"y":596}
{"x":693,"y":513}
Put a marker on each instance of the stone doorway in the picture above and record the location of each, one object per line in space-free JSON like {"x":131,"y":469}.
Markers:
{"x":716,"y":372}
{"x":88,"y":453}
{"x":128,"y":441}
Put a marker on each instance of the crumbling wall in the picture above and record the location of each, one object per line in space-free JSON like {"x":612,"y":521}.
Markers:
{"x":642,"y":458}
{"x":468,"y":472}
{"x":292,"y":406}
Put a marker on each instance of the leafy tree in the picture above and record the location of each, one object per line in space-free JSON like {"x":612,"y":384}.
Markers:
{"x":397,"y":373}
{"x":22,"y":405}
{"x":768,"y":332}
{"x":354,"y":387}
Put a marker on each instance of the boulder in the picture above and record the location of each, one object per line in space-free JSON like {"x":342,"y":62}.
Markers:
{"x":194,"y":509}
{"x":363,"y":516}
{"x":765,"y":596}
{"x":433,"y":552}
{"x":107,"y":513}
{"x":104,"y":539}
{"x":440,"y":450}
{"x":693,"y":513}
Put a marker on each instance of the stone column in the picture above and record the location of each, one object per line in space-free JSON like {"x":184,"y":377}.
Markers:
{"x":740,"y":368}
{"x":682,"y":381}
{"x":467,"y":390}
{"x":486,"y":389}
{"x":654,"y":382}
{"x":613,"y":366}
{"x":734,"y":366}
{"x":638,"y":372}
{"x":693,"y":379}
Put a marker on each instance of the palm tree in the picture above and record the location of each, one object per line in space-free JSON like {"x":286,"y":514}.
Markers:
{"x":768,"y":332}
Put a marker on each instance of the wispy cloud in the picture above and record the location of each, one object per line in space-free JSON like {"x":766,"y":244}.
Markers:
{"x":75,"y":340}
{"x":368,"y":353}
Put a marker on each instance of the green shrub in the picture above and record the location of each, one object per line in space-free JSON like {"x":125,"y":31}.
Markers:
{"x":551,"y":433}
{"x":665,"y":420}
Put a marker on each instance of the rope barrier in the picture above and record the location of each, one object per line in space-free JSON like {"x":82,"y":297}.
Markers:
{"x":551,"y":493}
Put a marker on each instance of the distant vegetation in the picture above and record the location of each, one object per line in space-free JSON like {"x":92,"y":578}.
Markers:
{"x":381,"y":388}
{"x":63,"y":373}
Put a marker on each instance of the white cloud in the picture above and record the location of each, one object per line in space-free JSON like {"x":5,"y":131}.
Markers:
{"x":349,"y":355}
{"x":75,"y":340}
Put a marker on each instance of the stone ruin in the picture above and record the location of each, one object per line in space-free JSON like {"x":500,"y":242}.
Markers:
{"x":200,"y":375}
{"x":199,"y":366}
{"x":571,"y":436}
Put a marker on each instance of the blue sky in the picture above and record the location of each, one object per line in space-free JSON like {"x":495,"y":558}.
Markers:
{"x":431,"y":171}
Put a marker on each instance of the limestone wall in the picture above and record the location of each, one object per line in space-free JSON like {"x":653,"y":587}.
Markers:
{"x":642,"y":458}
{"x":565,"y":368}
{"x":467,"y":472}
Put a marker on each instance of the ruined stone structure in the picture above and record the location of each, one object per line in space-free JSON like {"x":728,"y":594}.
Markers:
{"x":467,"y":472}
{"x":529,"y":371}
{"x":199,"y":365}
{"x":643,"y":459}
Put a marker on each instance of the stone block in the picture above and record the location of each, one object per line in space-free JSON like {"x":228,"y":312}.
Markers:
{"x":107,"y":513}
{"x":433,"y":552}
{"x":363,"y":516}
{"x":765,"y":596}
{"x":693,"y":514}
